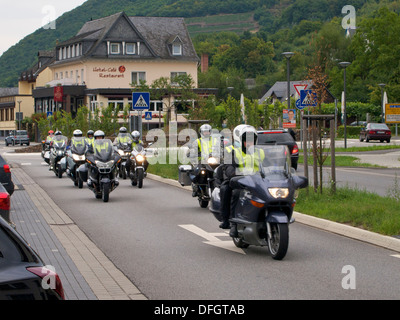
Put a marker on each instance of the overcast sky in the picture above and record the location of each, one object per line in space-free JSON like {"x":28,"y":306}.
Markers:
{"x":19,"y":18}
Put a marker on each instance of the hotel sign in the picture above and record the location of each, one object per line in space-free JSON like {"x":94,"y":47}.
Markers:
{"x":110,"y":72}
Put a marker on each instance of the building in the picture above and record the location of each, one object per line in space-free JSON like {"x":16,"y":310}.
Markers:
{"x":99,"y":65}
{"x":278,"y":92}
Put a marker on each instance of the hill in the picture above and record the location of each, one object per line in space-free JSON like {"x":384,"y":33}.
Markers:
{"x":203,"y":16}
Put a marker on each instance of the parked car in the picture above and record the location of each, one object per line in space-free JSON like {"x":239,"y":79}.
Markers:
{"x":5,"y":205}
{"x":23,"y":274}
{"x":280,"y":137}
{"x":5,"y":176}
{"x":17,"y":137}
{"x":358,"y":123}
{"x":375,"y":131}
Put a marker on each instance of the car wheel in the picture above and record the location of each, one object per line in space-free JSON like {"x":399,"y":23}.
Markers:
{"x":366,"y":139}
{"x":388,"y":140}
{"x":361,"y":139}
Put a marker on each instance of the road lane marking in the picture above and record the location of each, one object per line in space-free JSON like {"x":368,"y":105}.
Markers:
{"x":395,"y":255}
{"x":26,"y":163}
{"x":211,"y":238}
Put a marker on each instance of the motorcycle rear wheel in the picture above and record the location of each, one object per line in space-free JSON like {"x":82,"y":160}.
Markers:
{"x":203,"y":203}
{"x":240,"y":243}
{"x":279,"y":242}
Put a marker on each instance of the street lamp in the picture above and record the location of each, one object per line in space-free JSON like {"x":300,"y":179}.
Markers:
{"x":344,"y":65}
{"x":382,"y":85}
{"x":288,"y":55}
{"x":19,"y":115}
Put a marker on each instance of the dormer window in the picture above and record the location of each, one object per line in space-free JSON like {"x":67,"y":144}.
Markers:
{"x":176,"y":49}
{"x":130,"y":48}
{"x":114,"y":48}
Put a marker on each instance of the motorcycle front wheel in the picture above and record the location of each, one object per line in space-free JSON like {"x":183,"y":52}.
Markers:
{"x":106,"y":192}
{"x":279,"y":242}
{"x":59,"y":171}
{"x":140,"y":176}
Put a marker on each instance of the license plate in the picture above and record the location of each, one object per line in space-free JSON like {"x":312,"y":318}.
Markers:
{"x":381,"y":132}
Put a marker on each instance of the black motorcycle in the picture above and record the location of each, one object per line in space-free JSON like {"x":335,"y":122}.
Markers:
{"x":263,"y":201}
{"x":101,"y":169}
{"x":124,"y":150}
{"x":57,"y":153}
{"x":137,"y":166}
{"x":74,"y":159}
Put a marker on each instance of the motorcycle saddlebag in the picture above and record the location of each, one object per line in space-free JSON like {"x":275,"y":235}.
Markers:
{"x":46,"y":157}
{"x":83,"y":172}
{"x":184,"y":178}
{"x":63,"y":163}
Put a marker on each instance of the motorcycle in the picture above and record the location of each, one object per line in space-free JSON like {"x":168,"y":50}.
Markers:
{"x":57,"y":153}
{"x":74,"y":159}
{"x":262,"y":202}
{"x":137,"y":168}
{"x":45,"y":150}
{"x":101,"y":169}
{"x":124,"y":150}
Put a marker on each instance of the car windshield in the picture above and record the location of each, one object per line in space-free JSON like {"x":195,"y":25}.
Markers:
{"x":271,"y":161}
{"x":21,"y":133}
{"x":270,"y":138}
{"x":379,"y":126}
{"x":103,"y":150}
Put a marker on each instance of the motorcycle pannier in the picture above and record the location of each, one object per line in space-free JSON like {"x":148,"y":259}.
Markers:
{"x":184,"y":178}
{"x":83,"y":172}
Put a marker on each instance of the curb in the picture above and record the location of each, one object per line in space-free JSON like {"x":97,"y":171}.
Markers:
{"x":326,"y":225}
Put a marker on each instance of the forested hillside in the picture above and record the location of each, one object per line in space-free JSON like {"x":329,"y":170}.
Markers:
{"x":310,"y":28}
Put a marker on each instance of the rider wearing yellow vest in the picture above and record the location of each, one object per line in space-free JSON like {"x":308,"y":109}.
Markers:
{"x":240,"y":159}
{"x":89,"y":138}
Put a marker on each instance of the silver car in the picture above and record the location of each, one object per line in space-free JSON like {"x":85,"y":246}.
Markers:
{"x":17,"y":137}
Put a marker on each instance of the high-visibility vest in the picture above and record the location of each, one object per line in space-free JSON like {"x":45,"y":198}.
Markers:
{"x":247,"y":163}
{"x":89,"y":141}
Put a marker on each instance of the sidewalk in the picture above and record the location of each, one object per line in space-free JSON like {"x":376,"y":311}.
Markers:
{"x":85,"y":272}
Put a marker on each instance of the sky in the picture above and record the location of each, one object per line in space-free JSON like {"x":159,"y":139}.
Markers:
{"x":19,"y":18}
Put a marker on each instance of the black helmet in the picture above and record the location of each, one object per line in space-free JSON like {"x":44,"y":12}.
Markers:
{"x":90,"y":133}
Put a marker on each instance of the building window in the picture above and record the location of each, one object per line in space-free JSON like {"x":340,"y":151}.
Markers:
{"x":137,"y":77}
{"x":130,"y":48}
{"x":174,"y":75}
{"x":176,"y":49}
{"x":114,"y":48}
{"x":116,"y":104}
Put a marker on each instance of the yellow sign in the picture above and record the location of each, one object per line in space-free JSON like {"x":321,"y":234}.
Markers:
{"x":392,"y":112}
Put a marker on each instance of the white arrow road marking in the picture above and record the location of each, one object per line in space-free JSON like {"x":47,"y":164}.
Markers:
{"x":395,"y":255}
{"x":212,"y":239}
{"x":26,"y":164}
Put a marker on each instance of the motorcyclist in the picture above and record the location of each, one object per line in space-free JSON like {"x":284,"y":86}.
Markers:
{"x":50,"y":136}
{"x":202,"y":147}
{"x":241,"y":159}
{"x":135,"y":142}
{"x":89,"y":137}
{"x":123,"y":137}
{"x":57,"y":136}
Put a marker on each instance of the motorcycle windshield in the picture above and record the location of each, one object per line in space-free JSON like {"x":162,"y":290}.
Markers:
{"x":103,"y":150}
{"x":78,"y":145}
{"x":60,"y":142}
{"x":139,"y":148}
{"x":124,"y":141}
{"x":274,"y":161}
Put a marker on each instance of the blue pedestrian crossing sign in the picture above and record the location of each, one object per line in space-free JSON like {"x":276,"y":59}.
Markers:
{"x":140,"y":100}
{"x":308,"y":98}
{"x":148,"y":115}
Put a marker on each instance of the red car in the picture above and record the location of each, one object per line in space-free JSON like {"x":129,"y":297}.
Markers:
{"x":375,"y":131}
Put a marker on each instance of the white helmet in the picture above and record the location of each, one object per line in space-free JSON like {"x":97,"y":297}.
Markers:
{"x":205,"y":128}
{"x":242,"y":133}
{"x":135,"y":135}
{"x":123,"y":130}
{"x":98,"y":134}
{"x":77,"y":133}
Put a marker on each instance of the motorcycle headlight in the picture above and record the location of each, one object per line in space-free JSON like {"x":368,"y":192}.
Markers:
{"x":278,"y":192}
{"x":139,"y":158}
{"x":101,"y":164}
{"x":123,"y":153}
{"x":77,"y":157}
{"x":212,"y":161}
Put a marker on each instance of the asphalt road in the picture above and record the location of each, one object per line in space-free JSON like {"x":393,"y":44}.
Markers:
{"x":172,"y":249}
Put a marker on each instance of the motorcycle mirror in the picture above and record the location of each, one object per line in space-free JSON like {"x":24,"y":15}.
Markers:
{"x":300,"y":182}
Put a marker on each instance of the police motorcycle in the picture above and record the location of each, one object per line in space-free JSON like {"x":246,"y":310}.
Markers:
{"x":200,"y":173}
{"x":101,"y":169}
{"x":262,"y":201}
{"x":124,"y":149}
{"x":75,"y":157}
{"x":57,"y":152}
{"x":45,"y":153}
{"x":137,"y":171}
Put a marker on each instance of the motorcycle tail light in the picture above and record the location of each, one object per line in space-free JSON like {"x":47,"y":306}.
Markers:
{"x":6,"y":168}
